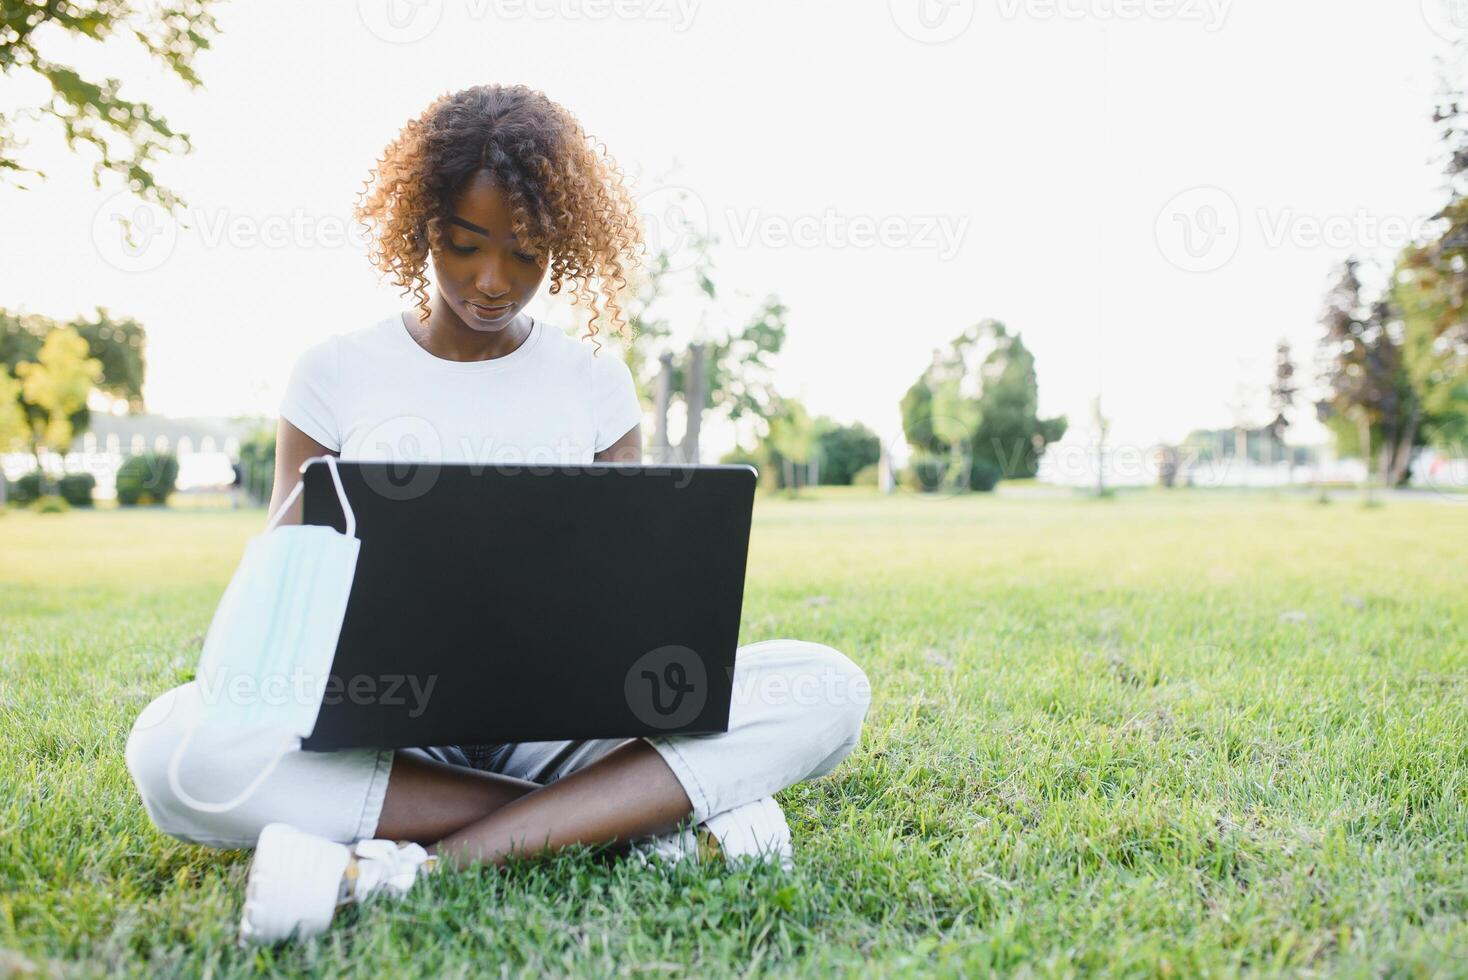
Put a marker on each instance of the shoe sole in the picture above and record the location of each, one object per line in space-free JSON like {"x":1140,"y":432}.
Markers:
{"x":292,"y":888}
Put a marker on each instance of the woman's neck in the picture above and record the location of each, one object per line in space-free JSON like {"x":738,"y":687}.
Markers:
{"x":447,"y":336}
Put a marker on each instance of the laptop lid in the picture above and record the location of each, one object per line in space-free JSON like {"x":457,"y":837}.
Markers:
{"x":497,"y":603}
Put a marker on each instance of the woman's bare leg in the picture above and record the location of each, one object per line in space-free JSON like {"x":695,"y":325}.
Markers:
{"x":427,"y":800}
{"x":479,"y":817}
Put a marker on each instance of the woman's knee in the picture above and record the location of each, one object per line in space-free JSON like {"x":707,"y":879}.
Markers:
{"x":817,"y":691}
{"x":207,"y":762}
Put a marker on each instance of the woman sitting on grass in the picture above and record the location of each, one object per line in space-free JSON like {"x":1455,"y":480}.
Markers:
{"x":495,"y":185}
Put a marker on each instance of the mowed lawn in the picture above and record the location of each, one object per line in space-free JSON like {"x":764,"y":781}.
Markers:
{"x":1164,"y":734}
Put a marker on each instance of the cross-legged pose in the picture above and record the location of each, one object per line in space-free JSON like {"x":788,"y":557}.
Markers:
{"x":493,"y":186}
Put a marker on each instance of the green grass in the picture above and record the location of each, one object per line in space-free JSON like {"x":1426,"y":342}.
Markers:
{"x":1097,"y":741}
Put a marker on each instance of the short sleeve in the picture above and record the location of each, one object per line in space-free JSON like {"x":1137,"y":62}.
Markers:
{"x":310,"y":394}
{"x":617,"y":407}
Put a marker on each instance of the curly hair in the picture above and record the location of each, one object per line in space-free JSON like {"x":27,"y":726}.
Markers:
{"x":566,"y":195}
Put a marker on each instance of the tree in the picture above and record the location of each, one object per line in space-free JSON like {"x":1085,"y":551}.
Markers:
{"x":976,"y":405}
{"x":1436,"y":362}
{"x":730,"y":373}
{"x":57,"y":384}
{"x":13,"y":425}
{"x":1370,"y":395}
{"x":844,"y":449}
{"x":119,"y":343}
{"x":92,"y":111}
{"x":1282,"y":391}
{"x":1430,"y":291}
{"x":1010,"y":434}
{"x":793,"y":436}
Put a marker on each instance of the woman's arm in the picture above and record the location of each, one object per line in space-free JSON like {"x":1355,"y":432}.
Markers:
{"x":292,"y":448}
{"x":627,"y":449}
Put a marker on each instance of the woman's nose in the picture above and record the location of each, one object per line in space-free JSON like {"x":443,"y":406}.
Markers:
{"x":491,"y":281}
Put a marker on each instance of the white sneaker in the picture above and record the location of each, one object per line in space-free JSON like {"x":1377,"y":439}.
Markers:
{"x":297,"y":880}
{"x":755,"y":830}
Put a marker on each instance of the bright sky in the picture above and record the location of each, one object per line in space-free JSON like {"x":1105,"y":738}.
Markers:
{"x":1151,"y":191}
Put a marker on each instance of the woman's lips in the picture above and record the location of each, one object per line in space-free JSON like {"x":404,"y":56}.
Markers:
{"x":489,"y":313}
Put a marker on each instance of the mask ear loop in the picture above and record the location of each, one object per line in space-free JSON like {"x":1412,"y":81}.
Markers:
{"x":341,"y":496}
{"x":293,"y":742}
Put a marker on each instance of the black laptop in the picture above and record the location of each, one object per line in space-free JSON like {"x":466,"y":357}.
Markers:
{"x":497,"y":603}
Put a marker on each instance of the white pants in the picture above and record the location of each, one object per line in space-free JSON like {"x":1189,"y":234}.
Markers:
{"x":797,"y":711}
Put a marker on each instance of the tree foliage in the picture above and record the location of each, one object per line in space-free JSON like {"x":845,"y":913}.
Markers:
{"x":737,"y":365}
{"x":977,"y":405}
{"x":126,"y":135}
{"x":56,"y":385}
{"x":1370,"y":403}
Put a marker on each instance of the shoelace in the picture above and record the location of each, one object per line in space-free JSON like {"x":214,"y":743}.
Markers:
{"x":384,"y":864}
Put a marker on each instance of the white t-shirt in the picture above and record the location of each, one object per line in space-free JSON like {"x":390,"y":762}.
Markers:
{"x":374,"y":394}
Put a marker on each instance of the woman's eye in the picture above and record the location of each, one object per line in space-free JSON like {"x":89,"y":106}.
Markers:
{"x":461,"y":249}
{"x":524,"y":256}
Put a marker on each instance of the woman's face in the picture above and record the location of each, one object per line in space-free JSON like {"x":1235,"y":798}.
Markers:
{"x":481,"y":271}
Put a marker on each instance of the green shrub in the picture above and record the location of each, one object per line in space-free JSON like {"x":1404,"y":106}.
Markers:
{"x":257,"y":465}
{"x":866,"y":476}
{"x":50,"y":504}
{"x":926,"y":473}
{"x":983,"y":475}
{"x":26,"y":489}
{"x":147,"y":478}
{"x":76,"y":488}
{"x":768,"y":476}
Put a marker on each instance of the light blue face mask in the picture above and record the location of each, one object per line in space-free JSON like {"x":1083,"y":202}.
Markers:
{"x":270,"y":646}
